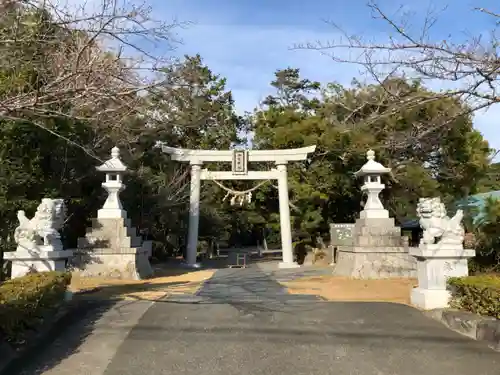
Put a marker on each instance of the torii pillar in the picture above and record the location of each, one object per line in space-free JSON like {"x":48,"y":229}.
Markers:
{"x":239,"y":159}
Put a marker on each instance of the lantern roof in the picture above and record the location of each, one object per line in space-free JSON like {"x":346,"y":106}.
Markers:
{"x":372,"y":166}
{"x":114,"y":164}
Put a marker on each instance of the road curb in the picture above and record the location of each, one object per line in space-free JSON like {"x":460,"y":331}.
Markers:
{"x":68,"y":313}
{"x":481,"y":328}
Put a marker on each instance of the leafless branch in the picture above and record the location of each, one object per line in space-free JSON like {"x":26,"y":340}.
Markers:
{"x":467,"y":70}
{"x":83,"y":63}
{"x":175,"y":187}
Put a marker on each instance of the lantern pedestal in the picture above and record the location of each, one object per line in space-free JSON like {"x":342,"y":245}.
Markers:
{"x":373,"y":206}
{"x":106,"y":213}
{"x":111,"y":249}
{"x":376,"y":251}
{"x":112,"y":208}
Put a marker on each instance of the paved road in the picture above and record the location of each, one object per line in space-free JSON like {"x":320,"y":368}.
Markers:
{"x":243,"y":322}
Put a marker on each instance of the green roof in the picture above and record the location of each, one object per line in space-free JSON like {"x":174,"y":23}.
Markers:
{"x":477,"y":201}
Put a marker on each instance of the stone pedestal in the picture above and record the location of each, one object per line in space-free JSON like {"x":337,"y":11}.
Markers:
{"x":286,"y":265}
{"x":376,"y":250}
{"x":111,"y":249}
{"x":429,"y":299}
{"x":435,"y":264}
{"x":42,"y":259}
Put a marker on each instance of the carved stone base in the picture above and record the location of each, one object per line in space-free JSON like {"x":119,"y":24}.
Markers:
{"x":428,"y":299}
{"x":24,"y":262}
{"x":376,"y":251}
{"x":112,"y":249}
{"x":103,"y":263}
{"x":374,"y":263}
{"x":285,"y":265}
{"x":435,"y":264}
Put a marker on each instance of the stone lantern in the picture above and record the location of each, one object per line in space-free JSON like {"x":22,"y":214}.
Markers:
{"x":372,"y":172}
{"x":111,"y":248}
{"x":114,"y":169}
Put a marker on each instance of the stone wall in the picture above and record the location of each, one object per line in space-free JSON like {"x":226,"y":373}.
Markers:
{"x":375,"y":250}
{"x":374,"y":263}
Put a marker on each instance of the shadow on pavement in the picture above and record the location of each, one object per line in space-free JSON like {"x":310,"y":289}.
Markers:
{"x":237,"y":333}
{"x":84,"y":313}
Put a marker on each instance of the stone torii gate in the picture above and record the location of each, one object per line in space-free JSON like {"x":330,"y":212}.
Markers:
{"x":239,"y":160}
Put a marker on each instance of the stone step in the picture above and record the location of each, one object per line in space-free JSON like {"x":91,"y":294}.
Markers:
{"x":378,"y":241}
{"x":377,"y":231}
{"x":381,"y":222}
{"x":131,"y":231}
{"x":116,"y":232}
{"x":136,"y":241}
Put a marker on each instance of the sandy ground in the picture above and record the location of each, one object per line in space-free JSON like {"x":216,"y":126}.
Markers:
{"x":166,"y":282}
{"x":336,"y":288}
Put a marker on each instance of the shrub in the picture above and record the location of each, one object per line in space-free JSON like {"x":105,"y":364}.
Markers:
{"x":319,"y":254}
{"x":26,"y":301}
{"x":478,"y":294}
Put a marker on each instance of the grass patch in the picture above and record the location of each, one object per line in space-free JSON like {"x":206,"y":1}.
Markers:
{"x":166,"y":282}
{"x":335,"y":288}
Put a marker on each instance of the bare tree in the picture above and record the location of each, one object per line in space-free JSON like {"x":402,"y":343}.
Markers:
{"x":93,"y":61}
{"x":468,"y":70}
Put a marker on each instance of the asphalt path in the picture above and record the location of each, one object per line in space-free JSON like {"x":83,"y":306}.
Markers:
{"x":243,"y":322}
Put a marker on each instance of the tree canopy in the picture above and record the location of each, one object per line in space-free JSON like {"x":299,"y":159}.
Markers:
{"x":339,"y":120}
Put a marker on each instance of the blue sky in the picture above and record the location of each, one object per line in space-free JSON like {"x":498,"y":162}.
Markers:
{"x":246,"y":41}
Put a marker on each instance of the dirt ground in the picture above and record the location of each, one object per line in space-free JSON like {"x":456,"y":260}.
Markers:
{"x":166,"y":282}
{"x":336,"y":288}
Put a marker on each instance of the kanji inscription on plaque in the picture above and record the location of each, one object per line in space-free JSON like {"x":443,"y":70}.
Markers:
{"x":341,"y":234}
{"x":240,"y":162}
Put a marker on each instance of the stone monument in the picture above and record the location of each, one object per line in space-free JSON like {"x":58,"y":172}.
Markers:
{"x":39,"y":246}
{"x":374,"y":247}
{"x":111,"y":247}
{"x":340,"y":235}
{"x":440,"y":254}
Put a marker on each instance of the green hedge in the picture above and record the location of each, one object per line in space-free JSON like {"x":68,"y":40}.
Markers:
{"x":477,"y":294}
{"x":26,"y":301}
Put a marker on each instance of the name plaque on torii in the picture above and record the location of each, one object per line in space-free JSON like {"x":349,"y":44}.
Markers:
{"x":240,"y":162}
